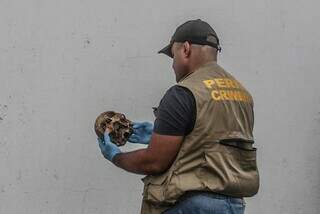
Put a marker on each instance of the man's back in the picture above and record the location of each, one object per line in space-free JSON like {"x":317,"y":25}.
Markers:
{"x":217,"y":155}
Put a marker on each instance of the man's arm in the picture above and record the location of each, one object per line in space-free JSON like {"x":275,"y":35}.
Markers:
{"x":175,"y":119}
{"x":155,"y":159}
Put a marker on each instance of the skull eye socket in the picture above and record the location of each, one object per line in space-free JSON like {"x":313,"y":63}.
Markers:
{"x":123,"y":120}
{"x":126,"y":135}
{"x":116,"y":126}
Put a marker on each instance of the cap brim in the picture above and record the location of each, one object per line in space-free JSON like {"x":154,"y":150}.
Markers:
{"x":166,"y":50}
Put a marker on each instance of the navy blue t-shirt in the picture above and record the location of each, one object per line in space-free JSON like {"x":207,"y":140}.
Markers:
{"x":176,"y":113}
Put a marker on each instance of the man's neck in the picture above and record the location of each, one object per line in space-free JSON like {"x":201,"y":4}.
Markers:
{"x":196,"y":67}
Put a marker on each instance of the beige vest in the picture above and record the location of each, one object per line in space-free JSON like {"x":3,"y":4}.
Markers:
{"x":204,"y":162}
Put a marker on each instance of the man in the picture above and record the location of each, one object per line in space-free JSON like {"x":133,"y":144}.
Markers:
{"x":200,"y":157}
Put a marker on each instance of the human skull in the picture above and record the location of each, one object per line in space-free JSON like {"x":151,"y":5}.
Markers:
{"x":119,"y":128}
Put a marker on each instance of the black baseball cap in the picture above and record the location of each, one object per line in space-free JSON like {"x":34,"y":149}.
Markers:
{"x":196,"y":32}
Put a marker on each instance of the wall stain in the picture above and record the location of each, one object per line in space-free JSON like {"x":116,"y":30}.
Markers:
{"x":86,"y":42}
{"x":56,"y":176}
{"x":3,"y":111}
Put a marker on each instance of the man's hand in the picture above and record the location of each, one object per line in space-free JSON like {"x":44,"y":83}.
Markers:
{"x":108,"y":149}
{"x":141,"y":133}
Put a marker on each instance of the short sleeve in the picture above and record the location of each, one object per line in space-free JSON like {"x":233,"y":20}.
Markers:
{"x":176,"y":113}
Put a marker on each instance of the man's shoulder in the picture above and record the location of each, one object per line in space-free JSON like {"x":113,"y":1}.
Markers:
{"x":178,"y":91}
{"x":177,"y":96}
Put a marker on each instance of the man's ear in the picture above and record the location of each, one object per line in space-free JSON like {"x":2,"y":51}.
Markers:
{"x":187,"y":49}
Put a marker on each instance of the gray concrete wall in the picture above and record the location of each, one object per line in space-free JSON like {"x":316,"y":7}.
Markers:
{"x":64,"y":62}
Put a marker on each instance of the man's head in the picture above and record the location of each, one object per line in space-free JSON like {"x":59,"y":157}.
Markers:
{"x":193,"y":44}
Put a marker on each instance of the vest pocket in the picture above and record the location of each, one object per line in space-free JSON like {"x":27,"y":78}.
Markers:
{"x":231,"y":171}
{"x":154,"y":188}
{"x":248,"y":176}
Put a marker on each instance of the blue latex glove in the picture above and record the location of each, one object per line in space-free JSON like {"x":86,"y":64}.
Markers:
{"x":108,"y":149}
{"x":141,"y":132}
